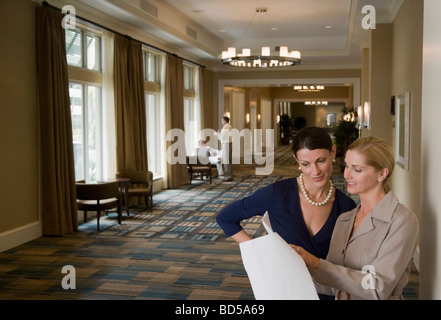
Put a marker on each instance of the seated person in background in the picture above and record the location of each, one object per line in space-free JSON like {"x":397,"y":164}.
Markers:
{"x":214,"y":155}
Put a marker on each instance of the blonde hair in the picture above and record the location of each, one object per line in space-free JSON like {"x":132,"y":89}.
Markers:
{"x":378,"y":153}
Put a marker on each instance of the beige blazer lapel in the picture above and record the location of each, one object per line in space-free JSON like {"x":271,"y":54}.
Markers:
{"x":382,"y":211}
{"x":365,"y":226}
{"x":346,"y":226}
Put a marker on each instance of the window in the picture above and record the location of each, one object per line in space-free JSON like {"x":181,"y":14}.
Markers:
{"x":190,"y":118}
{"x":151,"y":67}
{"x":188,"y":77}
{"x":191,"y":137}
{"x":76,"y":104}
{"x":153,"y":129}
{"x":74,"y":44}
{"x":154,"y":111}
{"x":86,"y":130}
{"x":84,"y":51}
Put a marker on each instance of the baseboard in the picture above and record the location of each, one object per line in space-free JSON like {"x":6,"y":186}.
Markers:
{"x":20,"y":235}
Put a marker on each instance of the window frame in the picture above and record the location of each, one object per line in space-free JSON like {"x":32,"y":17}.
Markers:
{"x":190,"y":123}
{"x":156,"y":88}
{"x":85,"y":30}
{"x":89,"y":78}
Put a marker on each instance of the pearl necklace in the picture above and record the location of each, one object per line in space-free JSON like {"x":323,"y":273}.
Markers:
{"x":314,"y":203}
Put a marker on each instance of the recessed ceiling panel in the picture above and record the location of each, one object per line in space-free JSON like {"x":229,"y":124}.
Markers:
{"x":298,"y":24}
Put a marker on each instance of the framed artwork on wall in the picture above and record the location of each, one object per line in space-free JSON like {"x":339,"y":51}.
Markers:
{"x":402,"y":112}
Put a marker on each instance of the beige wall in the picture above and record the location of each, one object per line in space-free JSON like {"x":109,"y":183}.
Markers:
{"x":430,"y":227}
{"x":395,"y":67}
{"x":380,"y":65}
{"x":19,"y":196}
{"x":407,"y":34}
{"x":208,"y":98}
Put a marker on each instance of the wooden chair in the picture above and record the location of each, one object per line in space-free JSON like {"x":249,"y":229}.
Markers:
{"x":98,"y":197}
{"x":197,"y":168}
{"x":141,"y":185}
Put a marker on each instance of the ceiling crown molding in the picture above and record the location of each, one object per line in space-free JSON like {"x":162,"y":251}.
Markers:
{"x":389,"y":15}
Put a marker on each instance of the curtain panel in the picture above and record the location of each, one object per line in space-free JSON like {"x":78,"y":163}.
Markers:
{"x":177,"y":174}
{"x":131,"y":136}
{"x":59,"y":211}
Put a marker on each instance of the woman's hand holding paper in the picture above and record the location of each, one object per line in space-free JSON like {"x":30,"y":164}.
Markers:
{"x":310,"y":260}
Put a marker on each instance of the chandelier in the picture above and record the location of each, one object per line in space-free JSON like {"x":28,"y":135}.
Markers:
{"x":263,"y":58}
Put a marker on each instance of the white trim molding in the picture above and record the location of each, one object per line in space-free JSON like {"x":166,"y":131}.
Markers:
{"x":15,"y":237}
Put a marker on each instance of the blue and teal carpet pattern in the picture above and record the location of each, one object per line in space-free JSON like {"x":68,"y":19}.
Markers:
{"x":186,"y":213}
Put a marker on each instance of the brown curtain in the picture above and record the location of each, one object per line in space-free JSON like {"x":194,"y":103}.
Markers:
{"x":131,"y":139}
{"x":57,"y":161}
{"x":177,"y":174}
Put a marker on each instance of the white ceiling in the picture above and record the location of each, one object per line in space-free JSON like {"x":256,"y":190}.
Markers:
{"x":327,"y":32}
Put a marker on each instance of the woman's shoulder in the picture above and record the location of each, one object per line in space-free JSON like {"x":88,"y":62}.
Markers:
{"x":390,"y":208}
{"x":285,"y":185}
{"x":402,"y":211}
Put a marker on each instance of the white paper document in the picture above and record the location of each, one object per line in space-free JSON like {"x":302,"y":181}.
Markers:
{"x":275,"y":270}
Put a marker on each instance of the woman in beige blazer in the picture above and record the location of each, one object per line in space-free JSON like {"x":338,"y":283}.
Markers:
{"x":372,"y":246}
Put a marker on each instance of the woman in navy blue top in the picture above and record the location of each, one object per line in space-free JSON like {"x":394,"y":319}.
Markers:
{"x":302,"y":210}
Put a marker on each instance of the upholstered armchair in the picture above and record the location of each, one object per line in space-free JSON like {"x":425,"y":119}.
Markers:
{"x":198,"y":168}
{"x":141,"y":185}
{"x":98,"y":197}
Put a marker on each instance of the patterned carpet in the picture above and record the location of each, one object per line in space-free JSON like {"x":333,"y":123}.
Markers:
{"x":176,"y":252}
{"x":187,"y":213}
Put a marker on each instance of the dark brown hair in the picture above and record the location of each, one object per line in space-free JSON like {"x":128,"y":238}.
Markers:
{"x":311,"y":138}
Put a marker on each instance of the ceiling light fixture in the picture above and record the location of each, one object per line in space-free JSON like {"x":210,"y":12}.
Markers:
{"x":263,"y":59}
{"x":309,"y":88}
{"x":316,"y":103}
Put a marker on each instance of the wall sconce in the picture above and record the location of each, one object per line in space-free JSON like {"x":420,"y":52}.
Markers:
{"x":247,"y":118}
{"x":227,"y":114}
{"x":360,"y":116}
{"x":258,"y":117}
{"x":367,"y":115}
{"x":278,"y":119}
